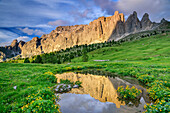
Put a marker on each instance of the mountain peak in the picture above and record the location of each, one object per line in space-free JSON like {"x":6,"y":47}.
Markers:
{"x":163,"y":20}
{"x":116,"y":13}
{"x":145,"y":22}
{"x":14,"y":43}
{"x":135,"y":13}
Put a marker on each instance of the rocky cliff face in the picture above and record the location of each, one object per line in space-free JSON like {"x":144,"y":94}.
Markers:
{"x":12,"y":50}
{"x":100,"y":30}
{"x":131,"y":25}
{"x":146,"y":24}
{"x":63,"y":37}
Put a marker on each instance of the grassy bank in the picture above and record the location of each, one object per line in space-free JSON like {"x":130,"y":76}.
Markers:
{"x":26,"y":79}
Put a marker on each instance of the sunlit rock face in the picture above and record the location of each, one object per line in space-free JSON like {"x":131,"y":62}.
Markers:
{"x":63,"y":37}
{"x":100,"y":30}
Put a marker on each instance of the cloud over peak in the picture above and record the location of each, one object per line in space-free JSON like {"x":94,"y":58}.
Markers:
{"x":23,"y":38}
{"x":29,"y":31}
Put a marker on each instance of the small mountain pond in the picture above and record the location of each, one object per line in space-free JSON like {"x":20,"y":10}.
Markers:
{"x":98,"y":93}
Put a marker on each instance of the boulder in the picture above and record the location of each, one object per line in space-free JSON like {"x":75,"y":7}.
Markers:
{"x":63,"y":88}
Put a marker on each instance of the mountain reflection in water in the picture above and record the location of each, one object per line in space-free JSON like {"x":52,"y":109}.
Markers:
{"x":102,"y":89}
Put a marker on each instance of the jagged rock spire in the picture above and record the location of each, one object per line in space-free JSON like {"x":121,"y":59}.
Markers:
{"x":132,"y":24}
{"x":145,"y":22}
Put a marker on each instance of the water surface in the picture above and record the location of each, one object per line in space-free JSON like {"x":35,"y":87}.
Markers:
{"x":98,"y":95}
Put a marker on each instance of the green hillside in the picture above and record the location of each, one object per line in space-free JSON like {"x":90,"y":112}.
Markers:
{"x":149,"y":49}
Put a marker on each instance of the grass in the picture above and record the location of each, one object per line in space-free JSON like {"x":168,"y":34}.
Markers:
{"x":139,"y":58}
{"x":24,"y":77}
{"x":150,"y":48}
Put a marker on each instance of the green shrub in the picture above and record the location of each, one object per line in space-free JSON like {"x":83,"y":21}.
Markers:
{"x":66,"y":81}
{"x":41,"y":106}
{"x":79,"y":67}
{"x":84,"y":55}
{"x":146,"y":78}
{"x":68,"y":68}
{"x":42,"y":101}
{"x":38,"y":59}
{"x":166,"y":84}
{"x":157,"y":90}
{"x":160,"y":107}
{"x":128,"y":93}
{"x":45,"y":94}
{"x":78,"y":83}
{"x":159,"y":93}
{"x":26,"y":60}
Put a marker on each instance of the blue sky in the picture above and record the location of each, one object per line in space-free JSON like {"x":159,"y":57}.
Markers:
{"x":24,"y":19}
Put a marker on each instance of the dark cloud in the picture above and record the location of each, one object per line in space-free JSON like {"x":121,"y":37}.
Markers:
{"x":157,"y":9}
{"x":106,"y":5}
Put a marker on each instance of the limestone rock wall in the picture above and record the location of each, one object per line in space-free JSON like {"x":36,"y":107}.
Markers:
{"x":63,"y":37}
{"x":100,"y":30}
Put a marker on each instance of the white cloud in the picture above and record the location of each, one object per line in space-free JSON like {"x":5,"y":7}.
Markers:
{"x":38,"y":32}
{"x":27,"y":30}
{"x":52,"y":3}
{"x":8,"y":42}
{"x":58,"y":23}
{"x":32,"y":31}
{"x":43,"y":26}
{"x":3,"y":44}
{"x":6,"y":37}
{"x":23,"y":38}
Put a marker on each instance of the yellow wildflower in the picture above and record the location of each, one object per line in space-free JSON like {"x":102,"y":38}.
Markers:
{"x":145,"y":106}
